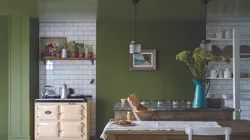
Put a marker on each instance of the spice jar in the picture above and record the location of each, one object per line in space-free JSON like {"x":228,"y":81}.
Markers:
{"x":129,"y":115}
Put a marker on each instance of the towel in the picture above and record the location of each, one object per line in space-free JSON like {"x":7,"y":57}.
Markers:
{"x":158,"y":125}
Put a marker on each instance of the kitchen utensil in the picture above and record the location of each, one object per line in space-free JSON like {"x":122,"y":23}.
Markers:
{"x":64,"y":91}
{"x":48,"y":91}
{"x":227,"y":73}
{"x":219,"y":34}
{"x":123,"y":100}
{"x":214,"y":73}
{"x":220,"y":75}
{"x":64,"y":53}
{"x":228,"y":34}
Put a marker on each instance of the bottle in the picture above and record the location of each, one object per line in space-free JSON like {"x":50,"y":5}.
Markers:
{"x":228,"y":34}
{"x":129,"y":116}
{"x":227,"y":73}
{"x":208,"y":46}
{"x":203,"y":44}
{"x":132,"y":47}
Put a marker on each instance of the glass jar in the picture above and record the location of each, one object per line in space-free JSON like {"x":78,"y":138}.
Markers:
{"x":203,"y":44}
{"x":208,"y":46}
{"x":132,"y":47}
{"x":135,"y":47}
{"x":129,"y":116}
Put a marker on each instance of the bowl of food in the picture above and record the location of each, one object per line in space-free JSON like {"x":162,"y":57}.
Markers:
{"x":144,"y":115}
{"x":123,"y":100}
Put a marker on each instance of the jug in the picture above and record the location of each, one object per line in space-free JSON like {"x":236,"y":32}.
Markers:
{"x":64,"y":53}
{"x":214,"y":73}
{"x":64,"y":91}
{"x":220,"y":75}
{"x":219,"y":34}
{"x":228,"y":34}
{"x":227,"y":73}
{"x":49,"y":90}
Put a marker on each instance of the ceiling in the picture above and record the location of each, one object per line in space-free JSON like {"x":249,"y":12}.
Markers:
{"x":151,"y":10}
{"x":228,"y":10}
{"x":67,"y":10}
{"x":82,"y":10}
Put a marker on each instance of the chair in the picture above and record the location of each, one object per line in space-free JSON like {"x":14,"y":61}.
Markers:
{"x":209,"y":131}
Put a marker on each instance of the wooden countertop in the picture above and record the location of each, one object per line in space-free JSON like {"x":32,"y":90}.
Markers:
{"x":239,"y":127}
{"x":126,"y":107}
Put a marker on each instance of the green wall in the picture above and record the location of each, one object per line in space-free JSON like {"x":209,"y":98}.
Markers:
{"x":4,"y":70}
{"x":19,"y":106}
{"x":164,"y":25}
{"x":34,"y":69}
{"x":19,"y":72}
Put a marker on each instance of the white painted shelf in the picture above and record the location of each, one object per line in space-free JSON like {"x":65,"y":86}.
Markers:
{"x":226,"y":78}
{"x":223,"y":39}
{"x":218,"y":39}
{"x":219,"y":78}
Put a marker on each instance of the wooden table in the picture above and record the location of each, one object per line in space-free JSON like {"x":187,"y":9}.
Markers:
{"x":240,"y":131}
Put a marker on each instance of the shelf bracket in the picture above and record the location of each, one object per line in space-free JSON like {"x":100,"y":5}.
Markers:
{"x":92,"y":61}
{"x":92,"y":81}
{"x":44,"y":62}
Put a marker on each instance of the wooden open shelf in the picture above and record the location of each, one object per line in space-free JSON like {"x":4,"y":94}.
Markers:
{"x":77,"y":58}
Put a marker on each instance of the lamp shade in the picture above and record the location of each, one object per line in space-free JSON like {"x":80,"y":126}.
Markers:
{"x":134,"y":47}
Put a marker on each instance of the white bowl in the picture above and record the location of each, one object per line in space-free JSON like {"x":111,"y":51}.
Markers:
{"x":144,"y":115}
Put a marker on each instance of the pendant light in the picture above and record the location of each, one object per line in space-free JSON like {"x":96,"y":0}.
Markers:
{"x":135,"y":46}
{"x":206,"y":44}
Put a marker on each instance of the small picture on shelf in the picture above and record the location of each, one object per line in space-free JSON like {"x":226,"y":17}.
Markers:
{"x":50,"y":47}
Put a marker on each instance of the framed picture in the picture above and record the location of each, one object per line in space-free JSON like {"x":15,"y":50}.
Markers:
{"x":47,"y":45}
{"x":144,"y":61}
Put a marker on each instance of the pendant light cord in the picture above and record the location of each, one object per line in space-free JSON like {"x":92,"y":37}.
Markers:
{"x":135,"y":17}
{"x":206,"y":20}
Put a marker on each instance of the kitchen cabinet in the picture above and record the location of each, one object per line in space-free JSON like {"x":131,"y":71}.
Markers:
{"x":62,"y":120}
{"x":238,"y":52}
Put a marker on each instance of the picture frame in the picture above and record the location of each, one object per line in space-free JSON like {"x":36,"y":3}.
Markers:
{"x":46,"y":50}
{"x":146,"y":60}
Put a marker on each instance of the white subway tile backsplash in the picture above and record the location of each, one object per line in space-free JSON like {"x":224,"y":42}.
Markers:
{"x":78,"y":82}
{"x":77,"y":74}
{"x":83,"y":37}
{"x":54,"y":28}
{"x":68,"y":33}
{"x":78,"y":33}
{"x":73,"y":28}
{"x":59,"y":34}
{"x":225,"y":86}
{"x":72,"y":38}
{"x":88,"y":33}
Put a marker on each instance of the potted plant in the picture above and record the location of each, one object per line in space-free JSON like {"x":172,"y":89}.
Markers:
{"x":73,"y":49}
{"x":90,"y":51}
{"x":58,"y":51}
{"x":81,"y":50}
{"x":197,"y":61}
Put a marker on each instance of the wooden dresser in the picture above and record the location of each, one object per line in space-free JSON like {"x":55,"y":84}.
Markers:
{"x":170,"y":113}
{"x":62,"y":120}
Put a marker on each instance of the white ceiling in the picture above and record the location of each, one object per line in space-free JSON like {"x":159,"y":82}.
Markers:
{"x":67,"y":10}
{"x":229,"y":10}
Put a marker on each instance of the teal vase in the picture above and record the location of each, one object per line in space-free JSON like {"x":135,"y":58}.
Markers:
{"x":199,"y":95}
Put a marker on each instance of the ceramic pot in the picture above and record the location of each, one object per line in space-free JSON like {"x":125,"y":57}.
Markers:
{"x":200,"y":95}
{"x":73,"y":54}
{"x":90,"y":54}
{"x":58,"y":54}
{"x":81,"y":54}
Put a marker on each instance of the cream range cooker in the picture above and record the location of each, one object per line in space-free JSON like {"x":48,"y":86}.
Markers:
{"x":62,"y":119}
